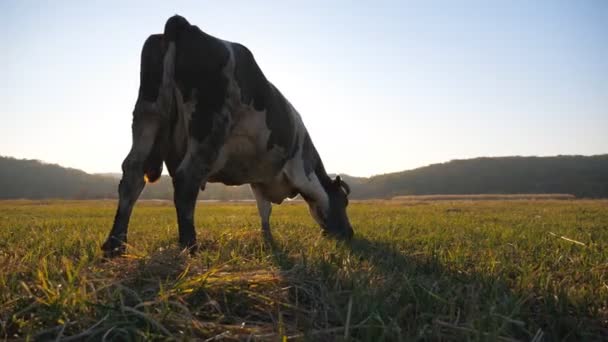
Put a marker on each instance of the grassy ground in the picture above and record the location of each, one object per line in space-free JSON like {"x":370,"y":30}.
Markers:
{"x":483,"y":270}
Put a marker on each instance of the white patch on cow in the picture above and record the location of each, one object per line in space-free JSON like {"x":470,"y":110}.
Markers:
{"x":319,"y":201}
{"x":233,"y":91}
{"x":309,"y":185}
{"x":246,"y":146}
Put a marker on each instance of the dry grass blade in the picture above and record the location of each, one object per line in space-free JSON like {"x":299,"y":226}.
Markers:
{"x":348,"y":314}
{"x":568,"y":239}
{"x":106,"y":334}
{"x":218,"y":336}
{"x":538,"y":336}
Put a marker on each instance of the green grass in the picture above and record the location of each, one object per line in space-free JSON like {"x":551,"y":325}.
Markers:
{"x":483,"y":270}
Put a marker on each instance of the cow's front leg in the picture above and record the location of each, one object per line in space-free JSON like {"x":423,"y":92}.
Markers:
{"x":264,"y":207}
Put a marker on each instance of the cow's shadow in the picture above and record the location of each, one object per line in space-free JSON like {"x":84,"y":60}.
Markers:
{"x":396,"y":296}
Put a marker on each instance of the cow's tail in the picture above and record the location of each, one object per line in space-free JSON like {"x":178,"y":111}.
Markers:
{"x":169,"y":66}
{"x":174,"y":26}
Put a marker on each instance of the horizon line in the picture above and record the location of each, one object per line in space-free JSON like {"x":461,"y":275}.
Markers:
{"x":334,"y":173}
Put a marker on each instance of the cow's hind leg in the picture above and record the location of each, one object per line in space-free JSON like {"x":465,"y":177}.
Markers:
{"x":264,"y":207}
{"x":129,"y":189}
{"x":145,"y":128}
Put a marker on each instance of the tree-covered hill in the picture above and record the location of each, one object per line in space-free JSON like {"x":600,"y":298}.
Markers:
{"x":32,"y":179}
{"x":582,"y":176}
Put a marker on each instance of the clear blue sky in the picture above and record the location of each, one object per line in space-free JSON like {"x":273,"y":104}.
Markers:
{"x":382,"y":86}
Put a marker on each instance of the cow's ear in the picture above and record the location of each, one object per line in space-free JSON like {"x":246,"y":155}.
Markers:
{"x":340,"y":183}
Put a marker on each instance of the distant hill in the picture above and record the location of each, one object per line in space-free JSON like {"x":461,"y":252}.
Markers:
{"x":109,"y":174}
{"x":582,"y":176}
{"x":22,"y":178}
{"x":33,"y":179}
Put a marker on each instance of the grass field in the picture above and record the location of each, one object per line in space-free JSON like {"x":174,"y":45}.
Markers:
{"x":459,"y":270}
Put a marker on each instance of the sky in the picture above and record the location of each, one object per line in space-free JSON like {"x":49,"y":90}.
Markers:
{"x":382,"y":86}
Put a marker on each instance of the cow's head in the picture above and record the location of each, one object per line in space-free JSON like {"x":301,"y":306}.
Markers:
{"x":332,"y":216}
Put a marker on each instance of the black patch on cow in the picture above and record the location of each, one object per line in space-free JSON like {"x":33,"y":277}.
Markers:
{"x":249,"y":77}
{"x":258,"y":91}
{"x":151,"y":68}
{"x":200,"y":59}
{"x":294,"y":148}
{"x":278,"y":120}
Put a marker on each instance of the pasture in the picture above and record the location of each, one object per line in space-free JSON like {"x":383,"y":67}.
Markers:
{"x":416,"y":270}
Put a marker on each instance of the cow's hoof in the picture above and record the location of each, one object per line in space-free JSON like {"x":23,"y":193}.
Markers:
{"x":191,"y":247}
{"x":112,"y":250}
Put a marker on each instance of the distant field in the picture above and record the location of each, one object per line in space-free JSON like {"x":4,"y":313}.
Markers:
{"x":417,"y":270}
{"x":484,"y":197}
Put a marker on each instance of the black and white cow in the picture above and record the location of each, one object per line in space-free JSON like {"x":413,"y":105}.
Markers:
{"x":207,"y":111}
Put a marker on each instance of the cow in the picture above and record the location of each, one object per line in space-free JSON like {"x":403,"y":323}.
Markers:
{"x":206,"y":110}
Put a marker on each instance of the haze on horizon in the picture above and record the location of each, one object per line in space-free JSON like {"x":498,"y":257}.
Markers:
{"x":382,"y":88}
